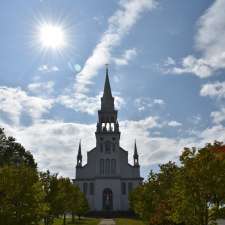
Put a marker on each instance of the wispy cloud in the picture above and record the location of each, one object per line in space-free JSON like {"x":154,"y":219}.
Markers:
{"x":128,"y":55}
{"x":41,"y":88}
{"x":209,"y":42}
{"x":174,"y":123}
{"x":119,"y":24}
{"x":15,"y":102}
{"x":144,"y":103}
{"x":47,"y":69}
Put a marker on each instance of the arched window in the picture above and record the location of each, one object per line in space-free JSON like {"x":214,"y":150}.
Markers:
{"x":123,"y":188}
{"x":107,"y":167}
{"x":85,"y":187}
{"x":91,"y":186}
{"x":113,"y":166}
{"x":107,"y":146}
{"x":101,"y":166}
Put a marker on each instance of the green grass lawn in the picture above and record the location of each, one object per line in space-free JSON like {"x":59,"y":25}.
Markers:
{"x":83,"y":221}
{"x":125,"y":221}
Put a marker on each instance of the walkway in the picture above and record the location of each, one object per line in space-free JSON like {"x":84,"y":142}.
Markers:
{"x":107,"y":222}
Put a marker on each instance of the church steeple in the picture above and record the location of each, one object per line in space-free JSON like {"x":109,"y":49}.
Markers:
{"x":107,"y":89}
{"x":107,"y":125}
{"x":135,"y":156}
{"x":107,"y":100}
{"x":79,"y":156}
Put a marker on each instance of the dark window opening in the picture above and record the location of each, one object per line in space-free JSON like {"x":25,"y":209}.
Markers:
{"x":101,"y":166}
{"x":107,"y":167}
{"x":113,"y":166}
{"x":123,"y":188}
{"x":92,"y":189}
{"x":85,"y":187}
{"x":107,"y":146}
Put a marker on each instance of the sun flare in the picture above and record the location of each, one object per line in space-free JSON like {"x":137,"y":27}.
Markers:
{"x":52,"y":36}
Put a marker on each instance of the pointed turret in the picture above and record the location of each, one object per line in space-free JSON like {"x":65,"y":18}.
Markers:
{"x":79,"y":156}
{"x":107,"y":100}
{"x":135,"y":155}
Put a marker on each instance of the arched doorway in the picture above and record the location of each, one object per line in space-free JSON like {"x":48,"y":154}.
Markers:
{"x":107,"y":199}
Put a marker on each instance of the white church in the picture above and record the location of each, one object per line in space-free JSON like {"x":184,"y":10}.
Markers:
{"x":107,"y":178}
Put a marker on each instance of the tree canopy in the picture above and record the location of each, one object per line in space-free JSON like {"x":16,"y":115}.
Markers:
{"x":28,"y":196}
{"x":13,"y":153}
{"x":191,"y":194}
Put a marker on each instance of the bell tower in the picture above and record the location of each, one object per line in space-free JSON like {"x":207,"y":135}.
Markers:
{"x":107,"y":132}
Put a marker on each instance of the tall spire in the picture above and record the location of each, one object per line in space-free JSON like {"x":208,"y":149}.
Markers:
{"x":79,"y":149}
{"x":107,"y":100}
{"x":79,"y":156}
{"x":135,"y":155}
{"x":135,"y":148}
{"x":107,"y":89}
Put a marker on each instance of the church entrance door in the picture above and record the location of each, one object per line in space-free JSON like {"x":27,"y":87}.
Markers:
{"x":107,"y":199}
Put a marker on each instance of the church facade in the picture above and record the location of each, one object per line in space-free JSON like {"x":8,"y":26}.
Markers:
{"x":107,"y":178}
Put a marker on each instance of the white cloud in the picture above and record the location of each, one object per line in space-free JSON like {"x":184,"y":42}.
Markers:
{"x":55,"y":143}
{"x":158,"y":101}
{"x":119,"y":24}
{"x":216,"y":89}
{"x":191,"y":64}
{"x":41,"y":88}
{"x":210,"y":42}
{"x":218,"y":116}
{"x":48,"y":69}
{"x":213,"y":133}
{"x":169,"y":61}
{"x":174,"y":123}
{"x":152,"y":150}
{"x":128,"y":55}
{"x":144,"y":103}
{"x":16,"y":102}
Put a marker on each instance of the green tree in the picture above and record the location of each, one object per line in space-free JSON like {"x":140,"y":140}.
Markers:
{"x":74,"y":200}
{"x":49,"y":183}
{"x":199,"y":190}
{"x":21,"y":196}
{"x":82,"y":207}
{"x":13,"y":153}
{"x":151,"y":201}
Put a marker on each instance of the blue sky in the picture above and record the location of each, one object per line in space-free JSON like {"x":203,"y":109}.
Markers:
{"x":166,"y":61}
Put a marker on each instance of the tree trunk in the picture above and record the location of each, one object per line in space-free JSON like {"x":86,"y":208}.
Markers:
{"x":64,"y":219}
{"x":73,"y":217}
{"x":206,"y":215}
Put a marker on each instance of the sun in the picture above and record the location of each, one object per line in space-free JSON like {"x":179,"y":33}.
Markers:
{"x":52,"y":36}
